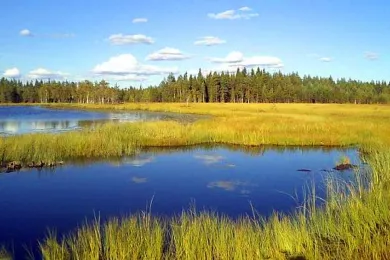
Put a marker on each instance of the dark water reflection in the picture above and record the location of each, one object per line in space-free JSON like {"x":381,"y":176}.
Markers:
{"x":225,"y":179}
{"x":31,"y":119}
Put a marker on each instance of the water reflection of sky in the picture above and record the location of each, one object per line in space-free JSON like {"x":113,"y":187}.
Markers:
{"x":28,"y":119}
{"x":262,"y":180}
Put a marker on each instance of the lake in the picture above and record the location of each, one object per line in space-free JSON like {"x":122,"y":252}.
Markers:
{"x":228,"y":179}
{"x":32,"y":119}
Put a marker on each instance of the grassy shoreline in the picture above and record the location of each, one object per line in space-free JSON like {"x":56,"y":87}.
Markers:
{"x":354,"y":224}
{"x":238,"y":124}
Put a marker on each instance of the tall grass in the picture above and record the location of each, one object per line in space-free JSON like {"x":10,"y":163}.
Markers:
{"x":260,"y":124}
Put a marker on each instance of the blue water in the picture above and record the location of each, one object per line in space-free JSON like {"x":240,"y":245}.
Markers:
{"x":30,"y":119}
{"x":225,"y":179}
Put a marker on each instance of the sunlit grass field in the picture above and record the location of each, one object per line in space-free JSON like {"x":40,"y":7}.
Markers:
{"x":245,"y":124}
{"x":353,"y":224}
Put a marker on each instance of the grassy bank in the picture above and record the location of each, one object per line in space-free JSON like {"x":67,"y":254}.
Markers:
{"x":245,"y":124}
{"x":353,"y":224}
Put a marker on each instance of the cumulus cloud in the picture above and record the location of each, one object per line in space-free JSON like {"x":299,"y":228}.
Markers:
{"x":126,"y":67}
{"x":167,"y":54}
{"x":140,"y":20}
{"x":242,"y":13}
{"x":42,"y":73}
{"x":123,"y":39}
{"x":245,"y":9}
{"x":12,"y":73}
{"x":326,"y":59}
{"x":233,"y":57}
{"x":371,"y":55}
{"x":237,"y":59}
{"x":209,"y":41}
{"x":25,"y":32}
{"x":262,"y":61}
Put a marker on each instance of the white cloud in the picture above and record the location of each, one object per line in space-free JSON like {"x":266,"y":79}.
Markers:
{"x":122,"y":39}
{"x":262,"y":61}
{"x":209,"y":41}
{"x":140,"y":20}
{"x":326,"y":59}
{"x":245,"y":9}
{"x":229,"y":15}
{"x":25,"y":32}
{"x":236,"y":60}
{"x":126,"y":67}
{"x":42,"y":73}
{"x":167,"y":54}
{"x":241,"y":13}
{"x":232,"y":57}
{"x":12,"y":73}
{"x":371,"y":55}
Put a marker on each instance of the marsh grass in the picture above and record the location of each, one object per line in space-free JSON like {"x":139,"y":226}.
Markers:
{"x":353,"y":223}
{"x":241,"y":124}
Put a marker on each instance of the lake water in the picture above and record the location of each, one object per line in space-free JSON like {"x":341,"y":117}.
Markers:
{"x":30,"y":119}
{"x":225,"y":179}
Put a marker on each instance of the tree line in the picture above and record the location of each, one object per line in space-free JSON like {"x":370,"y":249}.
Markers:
{"x":243,"y":86}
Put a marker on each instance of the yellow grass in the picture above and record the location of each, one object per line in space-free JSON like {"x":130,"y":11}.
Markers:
{"x":244,"y":124}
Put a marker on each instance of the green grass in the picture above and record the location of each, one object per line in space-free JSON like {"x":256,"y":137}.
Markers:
{"x":353,"y":224}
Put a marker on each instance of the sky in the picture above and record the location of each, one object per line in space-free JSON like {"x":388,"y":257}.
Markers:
{"x":129,"y":42}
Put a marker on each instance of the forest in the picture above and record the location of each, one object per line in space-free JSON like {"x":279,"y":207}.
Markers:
{"x":243,"y":86}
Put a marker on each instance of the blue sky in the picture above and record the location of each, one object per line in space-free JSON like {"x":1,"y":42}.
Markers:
{"x":139,"y":42}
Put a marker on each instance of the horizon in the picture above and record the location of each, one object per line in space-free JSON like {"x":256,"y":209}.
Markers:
{"x":140,"y":44}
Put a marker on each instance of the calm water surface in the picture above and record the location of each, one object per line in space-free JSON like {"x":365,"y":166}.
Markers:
{"x":30,"y":119}
{"x":223,"y":179}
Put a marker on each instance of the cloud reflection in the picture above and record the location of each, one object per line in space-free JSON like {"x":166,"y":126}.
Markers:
{"x":245,"y":192}
{"x":226,"y":185}
{"x":139,"y":162}
{"x":231,"y":186}
{"x":209,"y":159}
{"x":139,"y":180}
